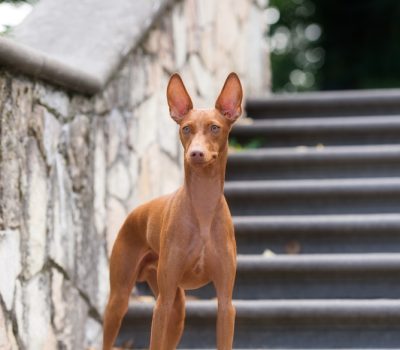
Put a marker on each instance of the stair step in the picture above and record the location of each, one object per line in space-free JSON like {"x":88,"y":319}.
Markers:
{"x":277,"y":324}
{"x":314,"y":196}
{"x":332,"y":103}
{"x":319,"y":276}
{"x":306,"y":162}
{"x":379,"y":129}
{"x":365,"y":233}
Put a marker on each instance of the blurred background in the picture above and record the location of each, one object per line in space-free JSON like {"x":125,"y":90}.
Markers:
{"x":315,"y":44}
{"x":334,"y":44}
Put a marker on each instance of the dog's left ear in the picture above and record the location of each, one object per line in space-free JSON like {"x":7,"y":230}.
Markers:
{"x":229,"y":101}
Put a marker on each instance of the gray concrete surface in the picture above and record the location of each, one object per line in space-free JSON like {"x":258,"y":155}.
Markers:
{"x":75,"y":41}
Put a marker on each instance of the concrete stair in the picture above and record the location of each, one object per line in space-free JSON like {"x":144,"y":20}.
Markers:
{"x":277,"y":324}
{"x":359,"y":130}
{"x":314,"y":196}
{"x":344,"y":233}
{"x":315,"y":276}
{"x":333,"y":103}
{"x":332,"y":162}
{"x":317,"y":220}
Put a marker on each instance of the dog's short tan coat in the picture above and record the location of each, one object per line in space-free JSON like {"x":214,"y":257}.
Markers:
{"x":183,"y":240}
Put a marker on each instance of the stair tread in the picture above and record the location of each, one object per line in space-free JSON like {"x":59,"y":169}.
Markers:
{"x":332,"y":103}
{"x":284,"y":307}
{"x":300,"y":223}
{"x":302,"y":152}
{"x":356,"y":262}
{"x":356,"y":123}
{"x":296,"y":220}
{"x":306,"y":185}
{"x":347,"y":96}
{"x":314,"y":234}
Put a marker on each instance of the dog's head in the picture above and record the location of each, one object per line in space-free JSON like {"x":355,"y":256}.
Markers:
{"x":204,"y":132}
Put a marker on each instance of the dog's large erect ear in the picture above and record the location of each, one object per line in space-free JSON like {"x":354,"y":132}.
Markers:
{"x":229,"y":101}
{"x":179,"y":101}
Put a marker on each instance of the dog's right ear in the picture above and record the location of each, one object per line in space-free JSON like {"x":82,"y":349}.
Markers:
{"x":179,"y":101}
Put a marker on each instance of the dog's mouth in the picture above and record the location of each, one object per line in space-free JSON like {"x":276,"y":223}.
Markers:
{"x":203,"y":162}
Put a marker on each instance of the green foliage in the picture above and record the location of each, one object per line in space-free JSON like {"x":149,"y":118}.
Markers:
{"x":358,"y":46}
{"x":6,"y":30}
{"x":254,"y":143}
{"x":294,"y":39}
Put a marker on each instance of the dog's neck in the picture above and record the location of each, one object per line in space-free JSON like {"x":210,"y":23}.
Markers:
{"x":205,"y":186}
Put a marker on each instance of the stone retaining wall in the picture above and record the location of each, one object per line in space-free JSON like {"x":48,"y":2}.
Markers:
{"x":72,"y":167}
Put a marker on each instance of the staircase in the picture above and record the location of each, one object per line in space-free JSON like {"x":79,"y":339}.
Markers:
{"x":317,"y":219}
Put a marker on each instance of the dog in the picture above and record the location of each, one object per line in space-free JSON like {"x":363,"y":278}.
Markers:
{"x":183,"y":240}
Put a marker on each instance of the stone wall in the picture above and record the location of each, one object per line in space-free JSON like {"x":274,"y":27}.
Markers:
{"x":72,"y":166}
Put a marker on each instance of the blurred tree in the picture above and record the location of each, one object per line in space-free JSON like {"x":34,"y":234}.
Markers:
{"x":335,"y":44}
{"x":294,"y":36}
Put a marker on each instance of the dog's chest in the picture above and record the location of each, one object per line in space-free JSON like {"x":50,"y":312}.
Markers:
{"x":199,"y":265}
{"x":200,"y":242}
{"x":195,"y":274}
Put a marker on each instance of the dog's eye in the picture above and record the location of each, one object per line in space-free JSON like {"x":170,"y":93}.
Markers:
{"x":215,"y":128}
{"x":186,"y":130}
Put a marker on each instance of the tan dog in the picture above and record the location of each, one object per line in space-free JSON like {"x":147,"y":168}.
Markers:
{"x":183,"y":240}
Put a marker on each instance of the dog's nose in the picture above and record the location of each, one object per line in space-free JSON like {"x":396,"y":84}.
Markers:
{"x":197,"y":155}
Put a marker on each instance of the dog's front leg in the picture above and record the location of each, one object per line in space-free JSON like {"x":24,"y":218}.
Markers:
{"x":225,"y":320}
{"x":168,"y":321}
{"x":169,"y":312}
{"x":226,"y":311}
{"x":161,"y":315}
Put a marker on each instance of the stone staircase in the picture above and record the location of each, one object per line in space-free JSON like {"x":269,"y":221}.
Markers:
{"x":317,"y":220}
